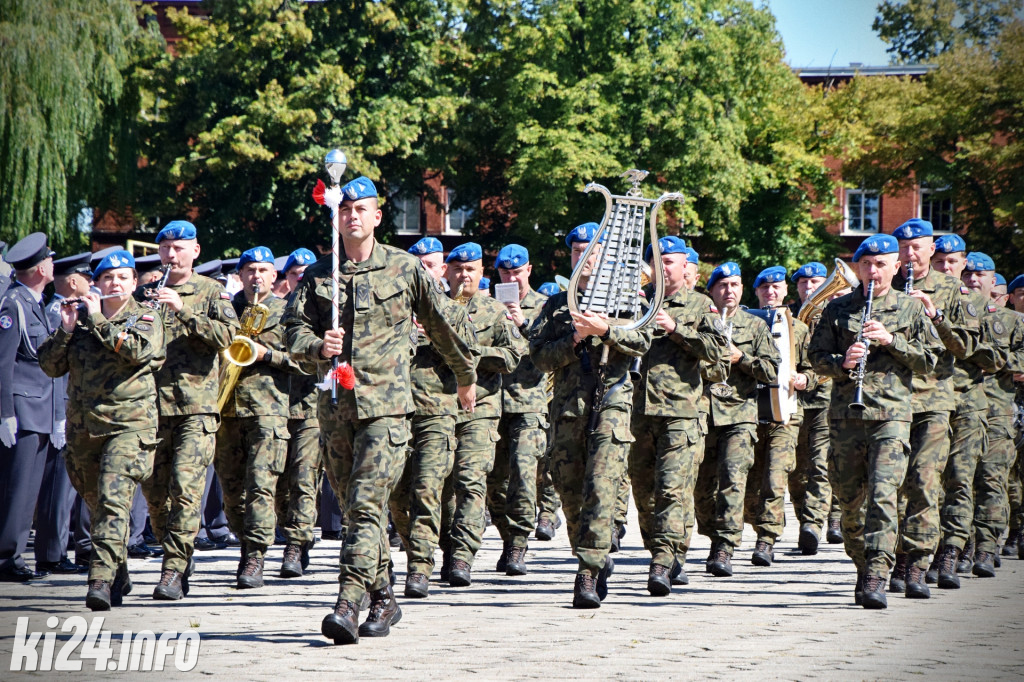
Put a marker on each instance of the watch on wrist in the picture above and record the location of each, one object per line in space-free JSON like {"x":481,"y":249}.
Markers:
{"x":607,"y":333}
{"x":939,"y":316}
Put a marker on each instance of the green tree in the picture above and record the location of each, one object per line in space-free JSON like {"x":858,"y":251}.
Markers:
{"x":920,"y":30}
{"x":62,"y":79}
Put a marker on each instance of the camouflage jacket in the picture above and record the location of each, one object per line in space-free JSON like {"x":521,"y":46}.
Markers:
{"x":801,"y":338}
{"x":377,"y":299}
{"x":524,"y":390}
{"x":111,"y":366}
{"x":969,"y":372}
{"x":501,"y":347}
{"x":1005,"y":328}
{"x":433,"y":382}
{"x":818,"y":396}
{"x":188,"y":381}
{"x":576,"y":366}
{"x":889,"y":370}
{"x":303,"y":396}
{"x":758,"y":365}
{"x":263,"y":387}
{"x":670,"y":373}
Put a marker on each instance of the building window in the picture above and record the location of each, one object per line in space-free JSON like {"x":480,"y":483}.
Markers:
{"x":407,"y":213}
{"x":455,"y":216}
{"x":937,"y":208}
{"x":861,"y":211}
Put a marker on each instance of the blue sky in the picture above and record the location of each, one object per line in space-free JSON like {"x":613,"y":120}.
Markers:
{"x":822,"y":32}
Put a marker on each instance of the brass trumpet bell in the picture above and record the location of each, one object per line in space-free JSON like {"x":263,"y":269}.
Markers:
{"x":842,"y":277}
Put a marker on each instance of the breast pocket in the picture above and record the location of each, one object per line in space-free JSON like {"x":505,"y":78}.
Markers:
{"x":389,"y":301}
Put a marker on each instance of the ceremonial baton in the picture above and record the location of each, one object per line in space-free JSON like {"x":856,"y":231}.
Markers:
{"x":335,"y":163}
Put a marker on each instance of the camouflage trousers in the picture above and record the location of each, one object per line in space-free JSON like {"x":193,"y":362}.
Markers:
{"x":809,"y":487}
{"x":295,"y":497}
{"x":918,"y":498}
{"x":663,"y":466}
{"x":175,"y":490}
{"x":548,"y":503}
{"x":416,"y":500}
{"x":465,"y":489}
{"x":364,"y":457}
{"x":968,"y":446}
{"x":991,"y":508}
{"x":1015,"y":493}
{"x":106,"y":471}
{"x":587,"y":471}
{"x":774,"y":460}
{"x":867,"y":467}
{"x":512,"y":482}
{"x":251,"y":453}
{"x":722,"y":483}
{"x":622,"y":500}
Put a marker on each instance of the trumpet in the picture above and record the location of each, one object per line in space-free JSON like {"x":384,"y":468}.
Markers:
{"x":857,"y":373}
{"x":460,"y":297}
{"x":242,"y":351}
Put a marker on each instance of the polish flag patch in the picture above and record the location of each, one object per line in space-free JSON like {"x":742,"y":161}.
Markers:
{"x":225,"y":295}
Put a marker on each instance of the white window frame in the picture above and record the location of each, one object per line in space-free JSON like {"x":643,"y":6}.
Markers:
{"x":846,"y":211}
{"x":403,"y":201}
{"x":923,"y":197}
{"x":455,"y":219}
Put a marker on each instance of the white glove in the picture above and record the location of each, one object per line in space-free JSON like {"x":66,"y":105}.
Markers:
{"x":58,"y":437}
{"x":9,"y":431}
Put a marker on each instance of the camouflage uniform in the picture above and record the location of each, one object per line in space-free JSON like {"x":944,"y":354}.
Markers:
{"x":512,"y":483}
{"x":187,"y":392}
{"x":252,"y":443}
{"x":295,"y":497}
{"x":587,"y":469}
{"x":111,"y":418}
{"x":870,"y":446}
{"x":669,"y":438}
{"x":729,"y":447}
{"x":366,"y":433}
{"x":501,"y":347}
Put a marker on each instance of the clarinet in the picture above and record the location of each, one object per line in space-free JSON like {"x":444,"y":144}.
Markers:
{"x":857,"y":373}
{"x":910,"y":279}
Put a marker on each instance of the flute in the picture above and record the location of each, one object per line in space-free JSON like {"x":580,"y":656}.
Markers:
{"x":79,"y":299}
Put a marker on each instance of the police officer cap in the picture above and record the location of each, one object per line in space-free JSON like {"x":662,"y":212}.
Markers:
{"x":728,"y":269}
{"x":228,"y":265}
{"x":669,"y":244}
{"x":209,"y":268}
{"x":298,"y":257}
{"x":692,"y":256}
{"x":148,"y":263}
{"x":1000,"y":280}
{"x":425,"y":246}
{"x":512,"y":256}
{"x":1015,"y":283}
{"x":775,"y":273}
{"x":279,"y":264}
{"x":979,"y":262}
{"x":29,"y":252}
{"x":581,"y":233}
{"x":485,"y":284}
{"x":912,"y":229}
{"x":73,"y":265}
{"x":950,"y":243}
{"x":465,"y":253}
{"x":177,"y":229}
{"x":876,"y":245}
{"x":119,"y":258}
{"x":360,"y":188}
{"x":257,"y":254}
{"x":550,"y":288}
{"x":812,"y":269}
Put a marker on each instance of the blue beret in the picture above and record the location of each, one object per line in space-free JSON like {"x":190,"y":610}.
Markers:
{"x":512,"y":256}
{"x":1015,"y":283}
{"x":729,"y":269}
{"x":979,"y":262}
{"x":257,"y":254}
{"x":775,"y":273}
{"x":912,"y":229}
{"x":1000,"y":280}
{"x":485,"y":283}
{"x":298,"y":257}
{"x":425,"y":246}
{"x":465,"y":253}
{"x":177,"y":229}
{"x":550,"y":288}
{"x":669,"y":244}
{"x":29,"y":251}
{"x":582,"y":233}
{"x":812,"y":269}
{"x":691,"y":255}
{"x":116,"y":259}
{"x":876,"y":245}
{"x":360,"y":188}
{"x":950,"y":243}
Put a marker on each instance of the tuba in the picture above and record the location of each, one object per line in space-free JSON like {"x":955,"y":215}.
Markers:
{"x":242,"y":351}
{"x":843,"y":277}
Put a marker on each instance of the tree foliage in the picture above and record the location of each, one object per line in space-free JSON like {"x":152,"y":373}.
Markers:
{"x":920,"y":30}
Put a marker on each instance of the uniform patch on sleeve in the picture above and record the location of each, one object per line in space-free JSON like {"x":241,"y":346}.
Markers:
{"x":147,"y":318}
{"x":713,"y":308}
{"x":997,"y":327}
{"x":6,"y":321}
{"x":971,"y":310}
{"x":143,"y":327}
{"x":515,"y":332}
{"x":991,"y":308}
{"x":933,"y":330}
{"x":225,"y":296}
{"x":228,"y":312}
{"x":719,"y":325}
{"x":964,"y":290}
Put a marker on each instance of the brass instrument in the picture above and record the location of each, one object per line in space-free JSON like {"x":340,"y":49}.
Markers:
{"x":460,"y":297}
{"x":857,"y":373}
{"x":242,"y":351}
{"x":843,"y":277}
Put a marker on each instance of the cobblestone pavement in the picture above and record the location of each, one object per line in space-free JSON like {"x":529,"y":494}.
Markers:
{"x":794,"y":620}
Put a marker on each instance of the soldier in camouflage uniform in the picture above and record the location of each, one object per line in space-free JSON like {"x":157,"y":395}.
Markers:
{"x":775,"y":450}
{"x":729,"y":447}
{"x":501,"y":347}
{"x":871,"y":444}
{"x":252,"y":443}
{"x":512,"y":483}
{"x":416,"y":500}
{"x":548,"y":503}
{"x":587,"y":467}
{"x":365,"y":434}
{"x":199,"y":322}
{"x":955,"y":332}
{"x":110,"y":349}
{"x":669,"y":437}
{"x":1015,"y":540}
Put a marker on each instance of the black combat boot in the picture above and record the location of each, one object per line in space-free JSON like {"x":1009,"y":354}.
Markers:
{"x":678,"y":573}
{"x":874,"y":592}
{"x":252,"y":573}
{"x":932,"y":575}
{"x":659,"y":584}
{"x":98,"y":596}
{"x":545,"y":530}
{"x":721,"y":564}
{"x":460,"y":574}
{"x":808,"y":540}
{"x":417,"y":586}
{"x":584,"y":594}
{"x":170,"y":587}
{"x":948,"y":579}
{"x":446,"y":566}
{"x":503,"y":558}
{"x":602,"y":577}
{"x":983,"y":565}
{"x":291,"y":564}
{"x":384,"y":612}
{"x":342,"y":625}
{"x":121,"y":586}
{"x":898,"y":580}
{"x":834,"y":535}
{"x":858,"y":590}
{"x":966,"y":562}
{"x":763,"y":554}
{"x":916,"y":589}
{"x":516,"y":564}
